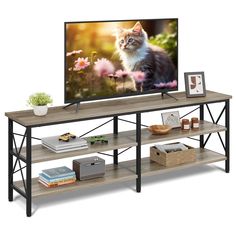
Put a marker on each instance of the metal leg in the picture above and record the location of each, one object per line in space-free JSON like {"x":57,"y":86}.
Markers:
{"x":28,"y":171}
{"x":115,"y":132}
{"x":138,"y":152}
{"x":227,"y":133}
{"x":10,"y":160}
{"x":202,"y":118}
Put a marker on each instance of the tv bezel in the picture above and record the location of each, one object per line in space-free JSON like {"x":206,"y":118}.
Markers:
{"x":75,"y":100}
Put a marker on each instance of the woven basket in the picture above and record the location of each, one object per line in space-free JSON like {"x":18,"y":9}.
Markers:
{"x":172,"y":158}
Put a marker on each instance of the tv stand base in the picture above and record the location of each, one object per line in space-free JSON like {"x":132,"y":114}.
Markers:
{"x":169,"y":95}
{"x":71,"y":104}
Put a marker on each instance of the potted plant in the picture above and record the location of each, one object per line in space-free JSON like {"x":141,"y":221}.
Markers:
{"x":39,"y":102}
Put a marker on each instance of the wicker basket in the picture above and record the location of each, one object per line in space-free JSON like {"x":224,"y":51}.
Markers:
{"x":172,"y":158}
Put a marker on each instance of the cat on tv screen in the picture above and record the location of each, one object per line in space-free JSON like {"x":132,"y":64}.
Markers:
{"x":120,"y":58}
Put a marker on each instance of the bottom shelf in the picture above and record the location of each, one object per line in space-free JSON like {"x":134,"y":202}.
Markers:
{"x":123,"y":172}
{"x":203,"y":156}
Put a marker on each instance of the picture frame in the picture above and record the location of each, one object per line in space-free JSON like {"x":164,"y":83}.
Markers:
{"x":195,"y":84}
{"x":171,"y":118}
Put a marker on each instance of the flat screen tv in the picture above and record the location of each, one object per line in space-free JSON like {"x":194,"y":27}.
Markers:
{"x":108,"y":59}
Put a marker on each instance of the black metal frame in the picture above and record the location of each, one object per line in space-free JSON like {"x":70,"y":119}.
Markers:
{"x":15,"y":152}
{"x":226,"y":144}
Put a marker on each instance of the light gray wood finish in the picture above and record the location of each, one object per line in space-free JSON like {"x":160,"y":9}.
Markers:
{"x":41,"y":153}
{"x":112,"y":107}
{"x":113,"y":174}
{"x":123,"y":140}
{"x":203,"y":156}
{"x":205,"y":127}
{"x":123,"y":172}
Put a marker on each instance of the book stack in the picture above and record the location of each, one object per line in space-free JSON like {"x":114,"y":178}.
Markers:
{"x":57,"y":146}
{"x":57,"y":176}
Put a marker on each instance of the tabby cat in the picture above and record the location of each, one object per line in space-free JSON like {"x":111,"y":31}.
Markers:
{"x":137,"y":54}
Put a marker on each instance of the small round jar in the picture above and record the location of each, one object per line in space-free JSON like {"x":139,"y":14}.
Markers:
{"x":195,"y":123}
{"x":185,"y":125}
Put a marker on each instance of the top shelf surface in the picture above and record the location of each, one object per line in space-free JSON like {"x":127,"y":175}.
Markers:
{"x":100,"y":109}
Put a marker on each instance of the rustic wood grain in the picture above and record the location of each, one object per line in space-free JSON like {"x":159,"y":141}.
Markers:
{"x":122,"y":140}
{"x":123,"y":172}
{"x":113,"y":174}
{"x":41,"y":153}
{"x":149,"y":168}
{"x":99,"y":109}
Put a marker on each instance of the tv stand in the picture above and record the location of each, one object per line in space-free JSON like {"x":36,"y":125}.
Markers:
{"x":71,"y":104}
{"x":169,"y":95}
{"x":119,"y":171}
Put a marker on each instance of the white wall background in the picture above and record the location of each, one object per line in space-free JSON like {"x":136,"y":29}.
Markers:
{"x":199,"y":201}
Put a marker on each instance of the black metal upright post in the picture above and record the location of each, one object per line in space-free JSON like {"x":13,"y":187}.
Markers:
{"x":10,"y":160}
{"x":201,"y":119}
{"x":115,"y":132}
{"x":227,"y":136}
{"x":28,"y":171}
{"x":138,"y":152}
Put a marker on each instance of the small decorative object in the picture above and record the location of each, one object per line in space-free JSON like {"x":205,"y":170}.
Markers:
{"x":66,"y":137}
{"x":39,"y":102}
{"x":171,"y":119}
{"x":97,"y":139}
{"x":194,"y":123}
{"x":89,"y":168}
{"x":195,"y":84}
{"x":185,"y":125}
{"x":159,"y":129}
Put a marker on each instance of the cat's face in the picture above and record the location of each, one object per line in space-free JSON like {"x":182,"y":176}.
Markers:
{"x":129,"y":40}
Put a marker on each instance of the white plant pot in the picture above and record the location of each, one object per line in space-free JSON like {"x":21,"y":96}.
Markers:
{"x":40,"y":110}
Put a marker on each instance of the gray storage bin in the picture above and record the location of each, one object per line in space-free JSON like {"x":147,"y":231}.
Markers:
{"x":89,"y":167}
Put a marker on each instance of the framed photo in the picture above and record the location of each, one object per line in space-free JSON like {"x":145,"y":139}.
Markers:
{"x":171,"y":118}
{"x":195,"y":84}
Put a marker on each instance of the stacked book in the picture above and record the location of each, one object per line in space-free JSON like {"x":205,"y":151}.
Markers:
{"x":57,"y":176}
{"x":54,"y":144}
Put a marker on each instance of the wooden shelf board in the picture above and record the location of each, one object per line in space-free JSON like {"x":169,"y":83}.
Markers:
{"x":41,"y":154}
{"x":123,"y":172}
{"x":113,"y":174}
{"x":203,"y":156}
{"x":110,"y":108}
{"x":205,"y":127}
{"x":123,"y":140}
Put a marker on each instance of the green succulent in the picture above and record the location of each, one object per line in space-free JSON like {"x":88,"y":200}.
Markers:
{"x":39,"y":99}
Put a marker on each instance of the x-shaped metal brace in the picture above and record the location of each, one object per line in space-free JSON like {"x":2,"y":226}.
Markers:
{"x":17,"y":154}
{"x":215,"y":122}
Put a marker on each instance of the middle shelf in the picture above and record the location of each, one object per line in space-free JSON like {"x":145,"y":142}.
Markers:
{"x":122,"y":140}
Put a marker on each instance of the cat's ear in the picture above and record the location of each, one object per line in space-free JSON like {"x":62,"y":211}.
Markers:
{"x":137,"y":28}
{"x":119,"y":30}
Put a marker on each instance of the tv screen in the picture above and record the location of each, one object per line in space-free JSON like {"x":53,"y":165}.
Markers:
{"x":120,"y":58}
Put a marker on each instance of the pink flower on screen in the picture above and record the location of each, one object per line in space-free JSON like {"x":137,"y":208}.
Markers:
{"x":160,"y":86}
{"x":122,"y":73}
{"x":81,"y":63}
{"x":103,"y":67}
{"x":172,"y":84}
{"x":138,"y":76}
{"x":73,"y":52}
